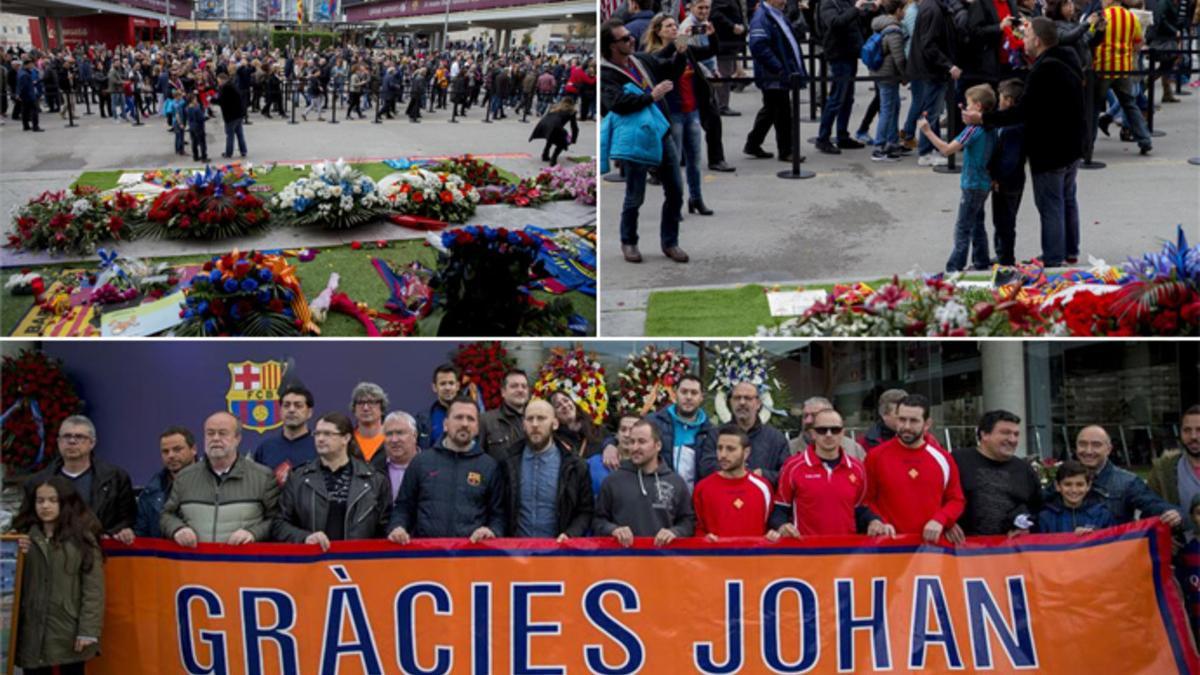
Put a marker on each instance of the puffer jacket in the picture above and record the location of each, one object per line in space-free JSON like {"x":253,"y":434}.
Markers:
{"x":450,"y":494}
{"x":304,"y":503}
{"x":895,"y":65}
{"x":245,"y":498}
{"x":59,"y":602}
{"x":573,"y":499}
{"x":633,"y":137}
{"x":1058,"y":517}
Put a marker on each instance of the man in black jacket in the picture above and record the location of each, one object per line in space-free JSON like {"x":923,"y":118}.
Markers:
{"x":233,"y":112}
{"x":454,"y":489}
{"x":930,"y":67}
{"x":842,"y":42}
{"x":105,"y":488}
{"x":549,"y":489}
{"x":1052,"y":110}
{"x":730,"y":21}
{"x":653,"y":74}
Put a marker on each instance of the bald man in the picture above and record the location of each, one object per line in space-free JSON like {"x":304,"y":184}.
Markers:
{"x":225,"y":498}
{"x":549,"y":488}
{"x":1123,"y":491}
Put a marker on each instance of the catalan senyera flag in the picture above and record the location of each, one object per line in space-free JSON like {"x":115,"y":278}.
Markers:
{"x":1098,"y":603}
{"x":299,"y":11}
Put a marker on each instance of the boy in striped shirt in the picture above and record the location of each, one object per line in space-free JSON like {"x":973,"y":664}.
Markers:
{"x":732,"y":502}
{"x":1113,"y":60}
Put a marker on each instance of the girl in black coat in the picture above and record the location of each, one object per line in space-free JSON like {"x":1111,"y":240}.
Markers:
{"x":553,"y":128}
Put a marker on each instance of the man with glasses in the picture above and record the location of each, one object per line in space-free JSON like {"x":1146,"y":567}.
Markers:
{"x":769,"y":447}
{"x":1003,"y":492}
{"x":399,"y":448}
{"x":368,"y":402}
{"x":822,"y":490}
{"x":293,"y":445}
{"x":1125,"y":493}
{"x":913,"y":485}
{"x":223,"y":499}
{"x":106,"y":489}
{"x":808,"y":415}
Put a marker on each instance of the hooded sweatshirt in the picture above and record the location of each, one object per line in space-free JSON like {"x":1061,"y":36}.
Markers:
{"x":644,"y":502}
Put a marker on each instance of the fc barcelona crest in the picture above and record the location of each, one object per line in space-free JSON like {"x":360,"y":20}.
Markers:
{"x":253,"y":395}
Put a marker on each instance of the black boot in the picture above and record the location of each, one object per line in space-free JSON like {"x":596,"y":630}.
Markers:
{"x":697,"y":206}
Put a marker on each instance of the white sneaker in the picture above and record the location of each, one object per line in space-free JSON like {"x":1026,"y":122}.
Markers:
{"x":937,"y":159}
{"x":925,"y":160}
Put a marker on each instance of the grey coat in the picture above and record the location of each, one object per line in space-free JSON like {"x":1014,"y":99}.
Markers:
{"x":59,"y":602}
{"x":895,"y":65}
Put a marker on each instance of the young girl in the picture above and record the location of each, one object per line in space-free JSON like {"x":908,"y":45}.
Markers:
{"x":62,"y":586}
{"x":553,"y":128}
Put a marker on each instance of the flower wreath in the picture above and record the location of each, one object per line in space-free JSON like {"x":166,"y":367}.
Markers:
{"x":579,"y":375}
{"x":481,"y":368}
{"x":648,"y":380}
{"x":37,"y":397}
{"x":741,"y":362}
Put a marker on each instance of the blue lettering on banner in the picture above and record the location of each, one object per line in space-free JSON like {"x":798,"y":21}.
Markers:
{"x":702,"y":654}
{"x":848,"y":623}
{"x":406,"y":627}
{"x":481,"y":628}
{"x":523,"y":628}
{"x":630,"y":643}
{"x":214,"y":639}
{"x":929,"y":590}
{"x":810,"y":646}
{"x":1016,"y":635}
{"x":254,"y":633}
{"x":343,"y":600}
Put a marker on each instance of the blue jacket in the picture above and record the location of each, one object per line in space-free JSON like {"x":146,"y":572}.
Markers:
{"x":26,"y":85}
{"x":425,"y":430}
{"x":1124,"y":492}
{"x":774,"y":62}
{"x":150,"y":505}
{"x":1058,"y":517}
{"x":666,"y":428}
{"x":1007,"y":164}
{"x":634,"y":137}
{"x":195,"y":118}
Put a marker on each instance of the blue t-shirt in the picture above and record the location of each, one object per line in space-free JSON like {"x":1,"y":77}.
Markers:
{"x":977,"y":144}
{"x":276,"y":450}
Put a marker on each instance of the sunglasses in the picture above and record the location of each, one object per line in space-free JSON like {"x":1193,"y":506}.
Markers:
{"x":827,"y":431}
{"x":627,"y":38}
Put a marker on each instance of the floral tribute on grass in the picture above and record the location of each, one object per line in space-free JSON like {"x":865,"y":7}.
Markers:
{"x":212,"y":205}
{"x":334,"y":196}
{"x":441,"y":196}
{"x":73,"y":221}
{"x":246,"y":294}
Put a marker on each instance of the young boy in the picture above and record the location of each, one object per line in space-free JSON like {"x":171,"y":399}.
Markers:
{"x":173,"y":108}
{"x":892,"y":71}
{"x":1073,"y":509}
{"x":1007,"y":170}
{"x":194,"y":114}
{"x":977,"y":144}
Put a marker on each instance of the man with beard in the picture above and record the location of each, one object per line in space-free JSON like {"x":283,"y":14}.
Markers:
{"x":644,"y":498}
{"x":1176,"y":475}
{"x":549,"y":490}
{"x":504,"y":427}
{"x":178,"y":448}
{"x":822,"y":489}
{"x":399,"y":448}
{"x":446,"y":385}
{"x":1123,"y":491}
{"x":453,"y":489}
{"x":808,"y":416}
{"x":911,"y":484}
{"x":224,"y":499}
{"x":620,"y":445}
{"x":293,"y":445}
{"x":769,"y":447}
{"x":884,"y":428}
{"x":732,"y":502}
{"x":683,"y":426}
{"x":1003,"y":492}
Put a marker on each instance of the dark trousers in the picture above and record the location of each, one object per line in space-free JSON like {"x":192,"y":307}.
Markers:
{"x":1005,"y":204}
{"x":635,"y":194}
{"x":106,"y":105}
{"x":712,"y":137}
{"x":64,"y":669}
{"x":414,"y":108}
{"x":199,"y":145}
{"x":355,"y":105}
{"x":551,"y":152}
{"x":179,"y":140}
{"x":29,"y":115}
{"x":776,"y":111}
{"x":840,"y":102}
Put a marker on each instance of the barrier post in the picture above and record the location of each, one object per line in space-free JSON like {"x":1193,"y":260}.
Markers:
{"x":378,"y":106}
{"x":1089,"y":109}
{"x":795,"y":173}
{"x":952,"y":118}
{"x":292,"y":83}
{"x":1150,"y":98}
{"x":87,"y":97}
{"x":812,"y":68}
{"x":71,"y":108}
{"x":337,"y":92}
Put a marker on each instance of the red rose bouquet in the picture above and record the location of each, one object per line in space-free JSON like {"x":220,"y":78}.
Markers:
{"x":483,"y":365}
{"x":37,"y":397}
{"x":648,"y":380}
{"x":211,"y":206}
{"x":73,"y":221}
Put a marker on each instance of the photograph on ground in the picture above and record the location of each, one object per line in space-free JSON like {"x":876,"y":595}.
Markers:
{"x":936,"y":505}
{"x":372,"y":171}
{"x":1009,"y":147}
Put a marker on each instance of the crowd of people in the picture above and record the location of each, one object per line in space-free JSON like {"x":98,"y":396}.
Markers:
{"x":184,"y":84}
{"x":1068,"y":69}
{"x":539,"y":468}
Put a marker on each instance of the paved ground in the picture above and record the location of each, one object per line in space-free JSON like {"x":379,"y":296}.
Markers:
{"x":862,"y":219}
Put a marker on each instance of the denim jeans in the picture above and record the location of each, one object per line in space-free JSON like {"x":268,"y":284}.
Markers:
{"x":930,"y":98}
{"x":969,"y":232}
{"x":233,"y":129}
{"x":687,"y":136}
{"x":635,"y":194}
{"x":1124,"y":90}
{"x":840,"y":101}
{"x":1054,"y":195}
{"x":118,"y":105}
{"x":910,"y":121}
{"x":886,"y":132}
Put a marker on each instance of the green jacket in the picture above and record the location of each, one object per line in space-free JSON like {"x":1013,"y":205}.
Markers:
{"x":59,"y":603}
{"x":246,"y":498}
{"x":1164,"y":476}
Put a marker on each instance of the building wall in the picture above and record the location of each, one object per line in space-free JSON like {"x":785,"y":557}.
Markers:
{"x":14,"y":31}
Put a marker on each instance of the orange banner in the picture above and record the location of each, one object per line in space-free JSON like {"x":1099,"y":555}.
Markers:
{"x":1101,"y":603}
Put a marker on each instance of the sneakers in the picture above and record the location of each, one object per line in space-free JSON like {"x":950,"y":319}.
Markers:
{"x":849,"y":144}
{"x":864,"y":138}
{"x":932,"y":159}
{"x":884,"y":155}
{"x":828,"y":148}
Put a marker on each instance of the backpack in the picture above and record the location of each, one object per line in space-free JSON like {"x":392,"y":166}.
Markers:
{"x":872,"y":50}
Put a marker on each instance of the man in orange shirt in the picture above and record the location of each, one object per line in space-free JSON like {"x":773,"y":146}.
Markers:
{"x":368,"y":403}
{"x":1114,"y":57}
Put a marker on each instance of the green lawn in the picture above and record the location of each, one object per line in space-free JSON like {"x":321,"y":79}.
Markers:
{"x":358,"y":279}
{"x":726,"y":312}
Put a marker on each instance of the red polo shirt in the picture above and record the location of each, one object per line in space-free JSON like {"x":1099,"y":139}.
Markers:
{"x":732,"y":507}
{"x":823,"y":499}
{"x":908,"y":487}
